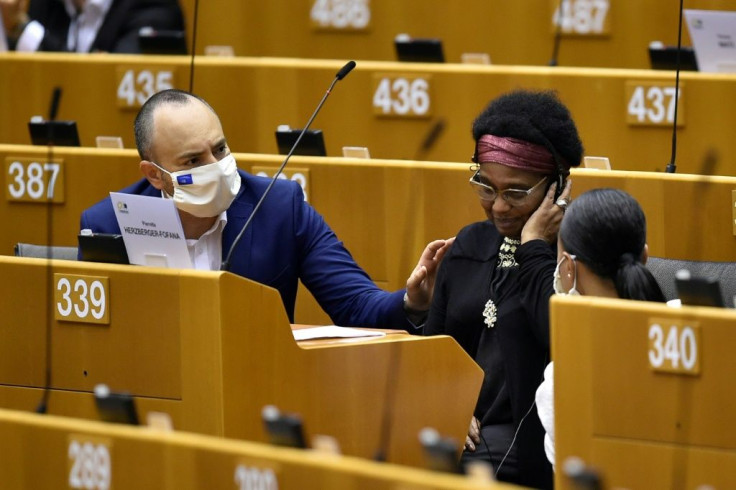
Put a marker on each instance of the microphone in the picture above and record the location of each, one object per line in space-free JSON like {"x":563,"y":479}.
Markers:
{"x":558,"y":35}
{"x":339,"y":76}
{"x":194,"y":46}
{"x":431,"y":138}
{"x":344,"y":70}
{"x":54,"y":107}
{"x":671,"y":167}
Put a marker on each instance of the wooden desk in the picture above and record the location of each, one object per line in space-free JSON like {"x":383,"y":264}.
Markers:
{"x":519,"y":32}
{"x":689,"y":217}
{"x":623,"y":409}
{"x":47,"y":451}
{"x":385,"y":211}
{"x":212,"y":349}
{"x":255,"y":95}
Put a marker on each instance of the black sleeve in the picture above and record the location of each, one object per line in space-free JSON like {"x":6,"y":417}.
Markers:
{"x":435,"y":324}
{"x":52,"y":43}
{"x":537,"y":261}
{"x":55,"y":21}
{"x":159,"y":14}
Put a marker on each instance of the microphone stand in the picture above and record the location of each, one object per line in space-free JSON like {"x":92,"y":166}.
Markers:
{"x":43,"y":403}
{"x":558,"y":35}
{"x":671,"y":167}
{"x":339,"y":76}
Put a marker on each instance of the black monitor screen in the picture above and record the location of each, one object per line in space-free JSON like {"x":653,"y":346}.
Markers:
{"x":57,"y":133}
{"x":103,"y":247}
{"x":312,"y":143}
{"x":699,"y":291}
{"x":665,"y":58}
{"x":151,"y":41}
{"x":428,"y":50}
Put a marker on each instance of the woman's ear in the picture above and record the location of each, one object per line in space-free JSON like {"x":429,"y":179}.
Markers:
{"x":645,"y":254}
{"x":152,"y":173}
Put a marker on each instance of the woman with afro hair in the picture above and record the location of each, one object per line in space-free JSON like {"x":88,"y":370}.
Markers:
{"x":493,"y":287}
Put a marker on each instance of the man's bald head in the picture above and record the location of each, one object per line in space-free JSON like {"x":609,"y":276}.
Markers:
{"x":143,"y":126}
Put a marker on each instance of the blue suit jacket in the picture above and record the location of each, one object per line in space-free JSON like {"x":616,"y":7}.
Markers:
{"x":287,"y":241}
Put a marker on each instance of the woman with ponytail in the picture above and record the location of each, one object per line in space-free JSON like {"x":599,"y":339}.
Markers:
{"x":601,"y":248}
{"x":601,"y":251}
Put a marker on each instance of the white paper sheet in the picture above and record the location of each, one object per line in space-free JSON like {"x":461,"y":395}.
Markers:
{"x":334,"y":332}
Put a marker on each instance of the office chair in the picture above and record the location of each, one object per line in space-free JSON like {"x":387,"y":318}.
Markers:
{"x":45,"y":251}
{"x":664,"y":271}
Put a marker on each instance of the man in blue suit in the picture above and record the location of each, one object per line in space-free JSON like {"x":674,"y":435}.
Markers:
{"x":185,"y":157}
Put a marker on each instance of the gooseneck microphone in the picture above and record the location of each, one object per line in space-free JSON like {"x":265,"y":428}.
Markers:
{"x":55,"y":98}
{"x":430,"y":139}
{"x":194,"y":46}
{"x":339,"y":76}
{"x":671,"y":167}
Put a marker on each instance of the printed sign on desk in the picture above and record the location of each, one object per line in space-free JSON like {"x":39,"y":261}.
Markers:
{"x":151,"y":230}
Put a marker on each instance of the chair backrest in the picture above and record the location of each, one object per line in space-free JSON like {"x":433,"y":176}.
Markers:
{"x":45,"y":251}
{"x":664,"y":271}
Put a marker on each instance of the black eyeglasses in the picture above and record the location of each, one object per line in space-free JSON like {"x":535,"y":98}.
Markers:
{"x":515,"y":197}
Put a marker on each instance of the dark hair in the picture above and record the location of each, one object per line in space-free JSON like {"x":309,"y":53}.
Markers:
{"x":535,"y":117}
{"x":606,"y":230}
{"x":143,"y":125}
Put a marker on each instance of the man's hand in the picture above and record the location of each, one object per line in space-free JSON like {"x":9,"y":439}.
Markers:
{"x":473,"y":436}
{"x":420,"y":285}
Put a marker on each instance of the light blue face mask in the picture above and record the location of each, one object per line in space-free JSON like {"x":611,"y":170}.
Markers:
{"x":557,"y":283}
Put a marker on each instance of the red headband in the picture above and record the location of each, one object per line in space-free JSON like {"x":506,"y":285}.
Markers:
{"x":515,"y":153}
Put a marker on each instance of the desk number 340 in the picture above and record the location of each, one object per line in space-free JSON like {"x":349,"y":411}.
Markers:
{"x":674,"y":349}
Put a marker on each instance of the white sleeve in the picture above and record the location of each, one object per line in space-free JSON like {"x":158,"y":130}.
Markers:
{"x":3,"y":36}
{"x":546,"y":410}
{"x":31,"y":37}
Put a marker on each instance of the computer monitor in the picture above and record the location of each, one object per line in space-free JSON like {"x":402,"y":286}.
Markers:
{"x":57,"y":133}
{"x":283,"y":429}
{"x":152,"y":41}
{"x":311,"y":144}
{"x":698,"y":291}
{"x":102,"y":247}
{"x":425,"y":50}
{"x":116,"y":407}
{"x":440,"y":453}
{"x":663,"y":57}
{"x":713,"y":34}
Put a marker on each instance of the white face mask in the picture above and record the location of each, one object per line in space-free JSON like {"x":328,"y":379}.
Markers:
{"x":557,"y":283}
{"x":208,"y":190}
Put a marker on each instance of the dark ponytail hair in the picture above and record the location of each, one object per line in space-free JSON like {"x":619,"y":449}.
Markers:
{"x":606,"y":230}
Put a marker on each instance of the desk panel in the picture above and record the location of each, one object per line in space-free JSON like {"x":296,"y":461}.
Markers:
{"x":212,"y":349}
{"x":41,"y":451}
{"x":386,"y":211}
{"x":518,"y":32}
{"x":255,"y":95}
{"x":639,"y":426}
